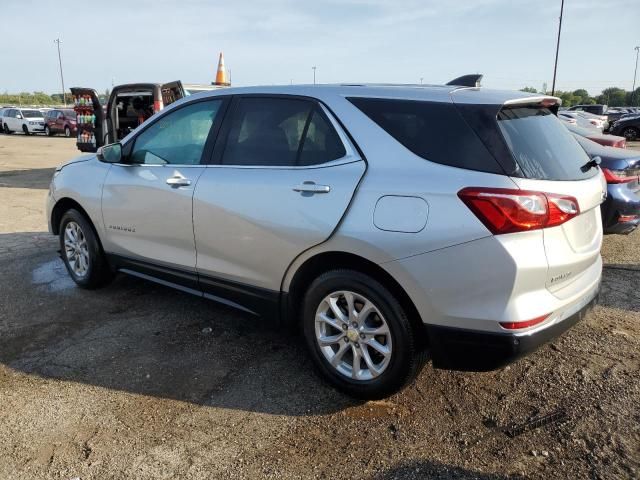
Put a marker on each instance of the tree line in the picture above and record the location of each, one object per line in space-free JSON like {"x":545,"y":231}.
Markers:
{"x":612,"y":96}
{"x":41,"y":98}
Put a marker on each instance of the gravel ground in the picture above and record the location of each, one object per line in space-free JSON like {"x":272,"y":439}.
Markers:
{"x":139,"y":381}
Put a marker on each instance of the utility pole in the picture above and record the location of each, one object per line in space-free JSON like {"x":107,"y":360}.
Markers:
{"x":633,"y":90}
{"x":64,"y":96}
{"x":555,"y":67}
{"x":314,"y":74}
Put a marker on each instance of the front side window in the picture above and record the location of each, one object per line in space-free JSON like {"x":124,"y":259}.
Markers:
{"x":280,"y":132}
{"x":178,"y":137}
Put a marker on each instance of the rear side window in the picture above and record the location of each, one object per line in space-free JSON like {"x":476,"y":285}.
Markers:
{"x":434,"y":131}
{"x":280,"y":132}
{"x":543,"y":148}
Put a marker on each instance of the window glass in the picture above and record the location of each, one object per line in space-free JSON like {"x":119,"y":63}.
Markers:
{"x":31,"y":114}
{"x":280,"y":132}
{"x":321,"y":143}
{"x":543,"y":148}
{"x":434,"y":131}
{"x":266,"y":131}
{"x":177,"y":138}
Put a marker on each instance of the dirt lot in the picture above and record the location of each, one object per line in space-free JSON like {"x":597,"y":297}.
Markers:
{"x":139,"y":381}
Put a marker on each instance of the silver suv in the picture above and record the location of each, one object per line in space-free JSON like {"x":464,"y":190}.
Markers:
{"x":389,"y":223}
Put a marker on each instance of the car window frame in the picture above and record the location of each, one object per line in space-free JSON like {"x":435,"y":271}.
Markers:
{"x":352,"y":152}
{"x":128,"y":144}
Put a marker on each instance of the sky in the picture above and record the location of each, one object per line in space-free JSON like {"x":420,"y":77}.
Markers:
{"x":266,"y":42}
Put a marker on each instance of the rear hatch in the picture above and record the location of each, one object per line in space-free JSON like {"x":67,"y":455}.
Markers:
{"x":540,"y":155}
{"x":172,"y":92}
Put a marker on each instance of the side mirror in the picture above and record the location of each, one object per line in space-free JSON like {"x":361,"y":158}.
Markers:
{"x":110,"y":153}
{"x":19,"y":117}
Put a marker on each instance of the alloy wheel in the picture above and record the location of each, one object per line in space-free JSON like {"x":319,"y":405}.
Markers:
{"x":353,"y":335}
{"x":76,"y":249}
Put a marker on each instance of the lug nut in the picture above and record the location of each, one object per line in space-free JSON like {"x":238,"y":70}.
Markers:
{"x":345,"y":326}
{"x":357,"y":345}
{"x":354,"y":325}
{"x":362,"y":336}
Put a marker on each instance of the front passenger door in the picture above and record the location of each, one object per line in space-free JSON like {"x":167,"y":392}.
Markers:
{"x":147,"y":202}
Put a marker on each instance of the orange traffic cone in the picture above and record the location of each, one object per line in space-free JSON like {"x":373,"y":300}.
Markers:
{"x":221,"y":74}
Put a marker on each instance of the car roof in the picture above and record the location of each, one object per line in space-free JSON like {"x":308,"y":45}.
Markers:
{"x":434,"y":93}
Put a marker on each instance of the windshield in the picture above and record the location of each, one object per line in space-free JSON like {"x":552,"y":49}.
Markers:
{"x":69,"y":114}
{"x":543,"y":148}
{"x":31,"y":114}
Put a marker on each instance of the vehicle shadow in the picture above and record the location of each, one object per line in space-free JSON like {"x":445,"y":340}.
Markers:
{"x":621,"y":287}
{"x":37,"y":178}
{"x":146,"y":339}
{"x":432,"y":470}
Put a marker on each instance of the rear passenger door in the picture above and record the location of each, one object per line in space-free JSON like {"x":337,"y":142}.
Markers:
{"x":282,"y":176}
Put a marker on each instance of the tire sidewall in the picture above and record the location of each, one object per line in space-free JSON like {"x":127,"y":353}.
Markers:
{"x":403,"y":356}
{"x":95,"y":253}
{"x":67,"y":132}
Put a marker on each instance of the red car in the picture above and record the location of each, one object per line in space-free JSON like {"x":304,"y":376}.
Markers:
{"x":602,"y":138}
{"x":60,"y":121}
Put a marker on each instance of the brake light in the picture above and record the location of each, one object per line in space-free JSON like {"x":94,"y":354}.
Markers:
{"x":525,"y":324}
{"x":157,"y":106}
{"x":617,"y":176}
{"x":628,"y":218}
{"x":504,"y":210}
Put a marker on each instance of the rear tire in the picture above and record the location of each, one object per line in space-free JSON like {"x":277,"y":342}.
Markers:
{"x":47,"y":131}
{"x":381,"y":340}
{"x":81,"y":251}
{"x":25,"y":130}
{"x":67,"y":132}
{"x":6,"y":129}
{"x":631,"y":133}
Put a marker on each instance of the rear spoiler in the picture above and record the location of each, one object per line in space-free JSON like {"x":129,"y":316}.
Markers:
{"x":471,"y":80}
{"x":552,"y":103}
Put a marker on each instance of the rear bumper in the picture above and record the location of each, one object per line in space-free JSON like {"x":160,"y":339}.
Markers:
{"x":469,"y":350}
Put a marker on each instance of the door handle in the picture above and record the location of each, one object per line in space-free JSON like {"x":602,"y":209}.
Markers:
{"x":178,"y":182}
{"x":311,"y":187}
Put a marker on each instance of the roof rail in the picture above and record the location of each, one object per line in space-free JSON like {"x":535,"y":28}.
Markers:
{"x":471,"y":80}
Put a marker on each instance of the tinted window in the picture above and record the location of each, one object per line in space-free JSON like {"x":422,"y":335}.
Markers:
{"x":178,"y":137}
{"x":280,"y":132}
{"x":321,"y":142}
{"x":433,"y":130}
{"x":541,"y":145}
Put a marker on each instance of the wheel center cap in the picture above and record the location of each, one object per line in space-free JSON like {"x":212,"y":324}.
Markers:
{"x":352,"y":334}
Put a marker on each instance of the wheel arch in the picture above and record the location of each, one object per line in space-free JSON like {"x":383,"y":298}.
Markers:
{"x":62,"y":206}
{"x":326,"y":261}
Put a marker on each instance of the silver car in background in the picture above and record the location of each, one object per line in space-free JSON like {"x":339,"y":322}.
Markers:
{"x":389,"y":223}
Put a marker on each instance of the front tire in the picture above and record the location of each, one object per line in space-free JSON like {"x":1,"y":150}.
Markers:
{"x":359,"y":335}
{"x":67,"y":132}
{"x":81,"y":251}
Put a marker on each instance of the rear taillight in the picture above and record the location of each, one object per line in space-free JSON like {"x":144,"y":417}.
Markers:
{"x":157,"y":106}
{"x":525,"y":324}
{"x":618,"y":176}
{"x":504,"y":210}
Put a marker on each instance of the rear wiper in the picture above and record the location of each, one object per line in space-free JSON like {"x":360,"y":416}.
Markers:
{"x":594,"y":162}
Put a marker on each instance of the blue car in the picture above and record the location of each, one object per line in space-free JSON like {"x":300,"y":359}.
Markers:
{"x":621,"y":168}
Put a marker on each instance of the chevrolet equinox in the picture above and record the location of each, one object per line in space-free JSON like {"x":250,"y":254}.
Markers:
{"x":391,"y":224}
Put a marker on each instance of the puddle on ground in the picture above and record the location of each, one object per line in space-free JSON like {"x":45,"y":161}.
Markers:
{"x":53,"y":276}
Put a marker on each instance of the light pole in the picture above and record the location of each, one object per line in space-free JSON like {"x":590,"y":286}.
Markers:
{"x":633,"y":90}
{"x":64,"y":96}
{"x":314,"y":74}
{"x":555,"y":67}
{"x":421,"y":78}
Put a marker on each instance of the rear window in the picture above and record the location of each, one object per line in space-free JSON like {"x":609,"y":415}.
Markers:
{"x":541,"y":146}
{"x":434,"y":131}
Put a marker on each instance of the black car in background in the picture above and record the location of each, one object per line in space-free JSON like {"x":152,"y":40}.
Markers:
{"x":628,"y":127}
{"x":621,"y":168}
